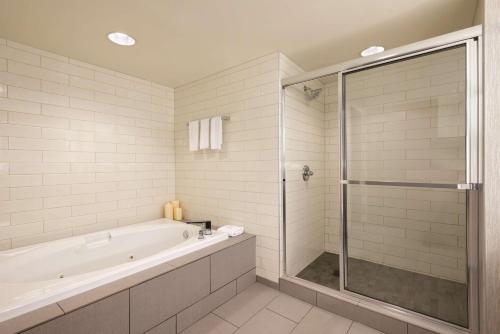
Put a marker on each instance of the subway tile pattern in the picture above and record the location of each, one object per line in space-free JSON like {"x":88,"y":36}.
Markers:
{"x":82,"y":148}
{"x":239,"y":184}
{"x":304,"y":127}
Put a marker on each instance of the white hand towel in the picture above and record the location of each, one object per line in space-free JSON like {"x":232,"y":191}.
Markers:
{"x":216,"y":133}
{"x":204,"y":133}
{"x":194,"y":135}
{"x":232,"y":230}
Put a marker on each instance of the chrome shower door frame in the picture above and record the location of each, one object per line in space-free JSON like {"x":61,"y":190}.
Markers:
{"x":471,"y":186}
{"x":471,"y":39}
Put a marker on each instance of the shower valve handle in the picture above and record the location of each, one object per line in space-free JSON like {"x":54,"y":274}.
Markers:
{"x":306,"y":173}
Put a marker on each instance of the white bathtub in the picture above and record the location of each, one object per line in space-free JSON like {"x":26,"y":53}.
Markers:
{"x":38,"y":275}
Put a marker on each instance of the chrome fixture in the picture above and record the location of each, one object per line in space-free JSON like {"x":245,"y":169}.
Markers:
{"x":205,"y":227}
{"x":203,"y":224}
{"x":224,"y":118}
{"x":185,"y":234}
{"x":306,"y":173}
{"x":311,"y":94}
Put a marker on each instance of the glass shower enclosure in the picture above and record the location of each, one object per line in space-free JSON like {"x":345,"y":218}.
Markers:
{"x":381,"y":171}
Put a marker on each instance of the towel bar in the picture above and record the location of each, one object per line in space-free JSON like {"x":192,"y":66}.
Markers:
{"x":224,"y":118}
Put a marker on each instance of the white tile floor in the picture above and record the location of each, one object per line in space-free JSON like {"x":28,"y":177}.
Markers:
{"x":260,"y":309}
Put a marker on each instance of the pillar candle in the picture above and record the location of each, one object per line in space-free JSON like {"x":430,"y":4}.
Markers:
{"x":178,"y":214}
{"x":169,"y":211}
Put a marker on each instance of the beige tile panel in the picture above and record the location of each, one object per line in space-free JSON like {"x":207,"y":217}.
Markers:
{"x":245,"y":280}
{"x":30,"y":319}
{"x":188,"y":258}
{"x":358,"y":313}
{"x":412,"y":329}
{"x":246,"y":304}
{"x":266,"y":321}
{"x":75,"y":302}
{"x":110,"y":316}
{"x":195,"y":312}
{"x":358,"y":328}
{"x":211,"y":324}
{"x":160,"y":298}
{"x":319,"y":321}
{"x":232,"y":262}
{"x":298,"y":291}
{"x":289,"y":307}
{"x":166,"y":327}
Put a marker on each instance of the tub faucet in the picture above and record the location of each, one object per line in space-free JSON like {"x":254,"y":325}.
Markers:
{"x":205,"y":226}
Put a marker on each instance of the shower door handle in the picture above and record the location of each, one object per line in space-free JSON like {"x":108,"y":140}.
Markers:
{"x":459,"y":186}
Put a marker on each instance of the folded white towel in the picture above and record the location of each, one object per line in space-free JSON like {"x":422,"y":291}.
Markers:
{"x":204,"y":133}
{"x":216,"y":133}
{"x":194,"y":133}
{"x":232,"y":230}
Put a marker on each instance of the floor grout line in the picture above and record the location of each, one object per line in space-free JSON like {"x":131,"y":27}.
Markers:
{"x":352,"y":322}
{"x":260,"y":309}
{"x":281,"y":315}
{"x":221,"y":318}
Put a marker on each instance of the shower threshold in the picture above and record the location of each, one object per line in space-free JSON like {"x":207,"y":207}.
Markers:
{"x":436,"y":297}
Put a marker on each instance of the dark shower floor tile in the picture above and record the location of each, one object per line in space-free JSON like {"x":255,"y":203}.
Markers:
{"x":436,"y":297}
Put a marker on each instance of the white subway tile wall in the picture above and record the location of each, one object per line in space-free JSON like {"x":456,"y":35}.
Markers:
{"x":82,"y":148}
{"x":239,"y":184}
{"x":332,"y":166}
{"x":304,"y":126}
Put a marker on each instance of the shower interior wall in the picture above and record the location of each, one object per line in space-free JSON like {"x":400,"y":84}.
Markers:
{"x":311,"y":138}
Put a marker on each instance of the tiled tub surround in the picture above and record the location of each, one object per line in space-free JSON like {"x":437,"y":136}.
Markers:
{"x":164,"y":299}
{"x":82,"y":148}
{"x":239,"y":184}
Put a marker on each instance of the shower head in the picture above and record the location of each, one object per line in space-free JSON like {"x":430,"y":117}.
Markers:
{"x":311,"y":94}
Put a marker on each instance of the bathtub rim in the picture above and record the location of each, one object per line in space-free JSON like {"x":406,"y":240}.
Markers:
{"x":39,"y":316}
{"x":66,"y":301}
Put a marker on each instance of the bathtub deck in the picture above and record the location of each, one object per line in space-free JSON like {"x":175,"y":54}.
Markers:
{"x":260,"y":309}
{"x":174,"y":294}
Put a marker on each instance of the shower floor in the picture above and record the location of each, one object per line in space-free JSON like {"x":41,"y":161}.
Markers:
{"x":436,"y":297}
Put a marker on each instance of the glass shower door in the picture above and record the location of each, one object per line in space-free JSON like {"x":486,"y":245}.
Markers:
{"x":408,"y":167}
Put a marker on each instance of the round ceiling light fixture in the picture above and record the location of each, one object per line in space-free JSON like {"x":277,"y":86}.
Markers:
{"x":372,"y":50}
{"x":121,"y":38}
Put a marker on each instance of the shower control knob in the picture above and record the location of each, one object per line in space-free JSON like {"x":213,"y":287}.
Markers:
{"x":306,"y":173}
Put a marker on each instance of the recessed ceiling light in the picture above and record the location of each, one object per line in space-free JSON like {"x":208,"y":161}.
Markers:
{"x":121,"y":38}
{"x":372,"y":50}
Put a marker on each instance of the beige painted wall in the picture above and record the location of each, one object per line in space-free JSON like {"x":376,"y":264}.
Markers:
{"x":82,"y":148}
{"x":240,"y":184}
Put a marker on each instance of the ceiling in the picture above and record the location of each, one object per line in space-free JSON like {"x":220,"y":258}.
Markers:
{"x":179,"y":41}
